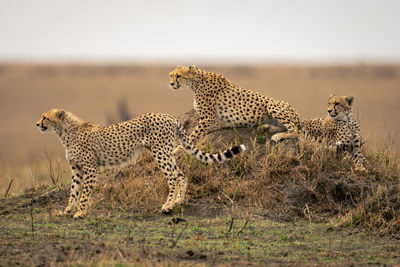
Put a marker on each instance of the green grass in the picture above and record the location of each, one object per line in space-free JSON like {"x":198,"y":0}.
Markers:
{"x":120,"y":240}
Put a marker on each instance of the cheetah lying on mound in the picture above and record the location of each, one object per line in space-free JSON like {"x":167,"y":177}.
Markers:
{"x":215,"y":97}
{"x":90,"y":146}
{"x":341,"y":129}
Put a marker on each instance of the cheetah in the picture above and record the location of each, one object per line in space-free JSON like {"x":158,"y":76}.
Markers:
{"x":90,"y":146}
{"x":341,"y":129}
{"x":216,"y":98}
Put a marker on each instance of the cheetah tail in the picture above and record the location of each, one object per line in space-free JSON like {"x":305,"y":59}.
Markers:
{"x":203,"y":156}
{"x":218,"y":157}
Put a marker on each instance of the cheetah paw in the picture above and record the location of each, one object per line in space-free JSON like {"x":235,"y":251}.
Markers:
{"x":80,"y":214}
{"x":178,"y":201}
{"x":276,"y":138}
{"x":361,"y":169}
{"x":67,"y":211}
{"x":265,"y":128}
{"x":60,"y":213}
{"x":166,"y":208}
{"x":176,"y":150}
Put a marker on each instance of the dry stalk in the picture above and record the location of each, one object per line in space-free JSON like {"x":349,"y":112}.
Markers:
{"x":8,"y":188}
{"x":55,"y":174}
{"x":174,"y":242}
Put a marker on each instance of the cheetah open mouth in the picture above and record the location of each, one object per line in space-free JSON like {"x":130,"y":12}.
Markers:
{"x":43,"y":129}
{"x":176,"y":86}
{"x":333,"y":115}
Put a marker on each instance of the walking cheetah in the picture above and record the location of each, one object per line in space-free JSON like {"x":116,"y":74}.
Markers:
{"x":341,"y":129}
{"x":215,"y":97}
{"x":90,"y":146}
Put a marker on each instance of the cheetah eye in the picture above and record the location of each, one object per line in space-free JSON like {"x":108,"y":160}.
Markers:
{"x":336,"y":104}
{"x":178,"y":76}
{"x":44,"y":118}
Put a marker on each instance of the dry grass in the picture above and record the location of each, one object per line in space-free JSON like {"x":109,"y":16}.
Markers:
{"x":93,"y":91}
{"x":284,"y":181}
{"x":295,"y":202}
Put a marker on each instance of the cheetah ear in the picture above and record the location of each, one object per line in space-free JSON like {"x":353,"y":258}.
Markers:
{"x":330,"y":97}
{"x":192,"y":67}
{"x":60,"y":114}
{"x":350,"y":100}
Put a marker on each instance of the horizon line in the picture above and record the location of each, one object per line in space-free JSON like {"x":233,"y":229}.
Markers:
{"x":196,"y":60}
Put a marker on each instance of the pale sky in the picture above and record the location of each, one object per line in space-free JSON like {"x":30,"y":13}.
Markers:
{"x":259,"y":30}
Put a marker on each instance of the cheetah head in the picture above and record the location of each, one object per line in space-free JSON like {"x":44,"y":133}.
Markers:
{"x":50,"y":119}
{"x":339,"y":106}
{"x":180,"y":76}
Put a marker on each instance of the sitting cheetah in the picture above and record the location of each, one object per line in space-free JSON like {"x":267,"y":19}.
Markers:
{"x":215,"y":97}
{"x":341,"y":129}
{"x":90,"y":146}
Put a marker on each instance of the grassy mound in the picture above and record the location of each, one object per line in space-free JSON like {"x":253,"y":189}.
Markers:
{"x":293,"y":203}
{"x":285,"y":181}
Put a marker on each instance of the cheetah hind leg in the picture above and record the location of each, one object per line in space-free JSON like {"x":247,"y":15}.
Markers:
{"x":182,"y":188}
{"x":272,"y":129}
{"x":167,"y":167}
{"x":172,"y":195}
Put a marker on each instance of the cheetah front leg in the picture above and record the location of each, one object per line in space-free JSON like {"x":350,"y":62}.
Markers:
{"x":272,"y":129}
{"x":291,"y":132}
{"x":287,"y":117}
{"x":201,"y":129}
{"x":75,"y":190}
{"x":358,"y":158}
{"x":89,"y":181}
{"x":359,"y":161}
{"x":345,"y":143}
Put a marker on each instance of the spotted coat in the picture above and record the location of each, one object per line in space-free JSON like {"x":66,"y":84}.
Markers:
{"x":340,"y":129}
{"x":216,"y":98}
{"x":90,"y":146}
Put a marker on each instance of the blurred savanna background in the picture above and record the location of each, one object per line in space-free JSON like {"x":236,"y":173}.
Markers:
{"x":112,"y":63}
{"x":292,"y":203}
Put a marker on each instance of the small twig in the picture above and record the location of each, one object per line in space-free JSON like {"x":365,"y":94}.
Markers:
{"x":231,"y":224}
{"x":8,"y":189}
{"x":54,"y":176}
{"x":32,"y":225}
{"x":120,"y":254}
{"x":229,"y":198}
{"x":179,"y":236}
{"x":48,"y":192}
{"x":241,"y":229}
{"x":232,"y":215}
{"x":306,"y":212}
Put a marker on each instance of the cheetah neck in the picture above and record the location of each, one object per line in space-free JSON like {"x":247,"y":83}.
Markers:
{"x":208,"y":81}
{"x":68,"y":129}
{"x":344,"y":117}
{"x":193,"y":84}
